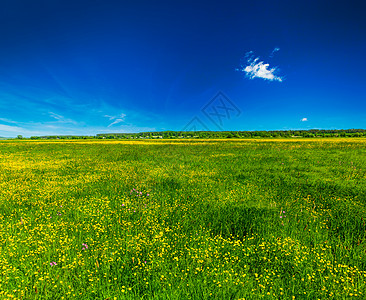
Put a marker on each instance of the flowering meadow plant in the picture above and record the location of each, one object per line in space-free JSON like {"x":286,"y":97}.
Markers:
{"x":192,"y":219}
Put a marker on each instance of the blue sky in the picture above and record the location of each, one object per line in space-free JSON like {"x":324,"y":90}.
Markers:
{"x":86,"y":67}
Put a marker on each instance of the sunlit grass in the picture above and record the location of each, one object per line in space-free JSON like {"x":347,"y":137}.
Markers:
{"x":183,"y":219}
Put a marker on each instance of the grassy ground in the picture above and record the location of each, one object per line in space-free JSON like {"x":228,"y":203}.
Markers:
{"x":198,"y":219}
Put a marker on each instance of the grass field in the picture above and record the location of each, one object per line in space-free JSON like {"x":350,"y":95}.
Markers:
{"x":183,"y":219}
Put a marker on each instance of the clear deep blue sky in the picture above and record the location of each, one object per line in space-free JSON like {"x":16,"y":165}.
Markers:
{"x":96,"y":66}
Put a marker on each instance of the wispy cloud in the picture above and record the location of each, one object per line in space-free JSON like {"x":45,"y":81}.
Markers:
{"x":126,"y":129}
{"x":254,"y":68}
{"x":8,"y":121}
{"x":304,"y":119}
{"x":116,"y":119}
{"x":62,"y":119}
{"x":29,"y":129}
{"x":274,"y":51}
{"x":12,"y":129}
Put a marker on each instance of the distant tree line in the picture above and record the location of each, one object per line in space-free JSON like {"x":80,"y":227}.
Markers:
{"x":63,"y":137}
{"x":312,"y":133}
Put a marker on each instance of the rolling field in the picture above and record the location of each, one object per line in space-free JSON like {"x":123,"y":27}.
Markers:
{"x":183,"y":219}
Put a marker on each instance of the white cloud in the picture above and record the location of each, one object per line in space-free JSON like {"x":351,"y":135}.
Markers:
{"x":304,"y":119}
{"x":116,"y":119}
{"x":258,"y":69}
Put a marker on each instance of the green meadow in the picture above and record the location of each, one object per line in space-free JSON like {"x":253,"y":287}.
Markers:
{"x":183,"y":219}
